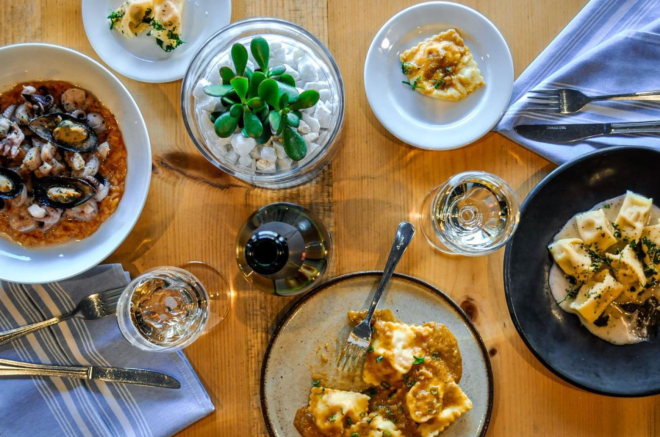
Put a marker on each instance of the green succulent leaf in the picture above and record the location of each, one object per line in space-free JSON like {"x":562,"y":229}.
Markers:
{"x":227,"y":101}
{"x":277,"y":70}
{"x":239,"y":55}
{"x":290,"y":90}
{"x":248,"y":73}
{"x":255,"y":81}
{"x":217,"y":90}
{"x":227,"y":74}
{"x":225,"y":125}
{"x":253,"y":125}
{"x":287,"y":79}
{"x":292,"y":119}
{"x":270,"y":92}
{"x":240,"y":85}
{"x":255,"y":103}
{"x":262,"y":112}
{"x":214,"y":116}
{"x":261,"y":52}
{"x":294,"y":145}
{"x":284,"y":101}
{"x":275,"y":118}
{"x":236,"y":110}
{"x":307,"y":99}
{"x":265,"y":136}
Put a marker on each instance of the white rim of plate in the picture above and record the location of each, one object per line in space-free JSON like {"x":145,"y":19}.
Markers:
{"x":133,"y":67}
{"x":380,"y":113}
{"x":119,"y":239}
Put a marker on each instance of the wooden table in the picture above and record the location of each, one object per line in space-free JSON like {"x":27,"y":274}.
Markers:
{"x":194,"y":212}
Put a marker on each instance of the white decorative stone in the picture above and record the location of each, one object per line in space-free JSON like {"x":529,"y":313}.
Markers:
{"x":284,"y":163}
{"x":264,"y":165}
{"x":303,"y":127}
{"x":219,"y":150}
{"x":268,"y":153}
{"x":274,"y":45}
{"x":297,"y":55}
{"x":279,"y":55}
{"x":224,"y":141}
{"x":294,"y":73}
{"x":310,"y":137}
{"x":324,"y":95}
{"x":279,"y":150}
{"x":320,"y":85}
{"x":242,"y":145}
{"x":323,"y":137}
{"x":255,"y":153}
{"x":232,"y":156}
{"x":312,"y":122}
{"x":323,"y":115}
{"x":307,"y":71}
{"x":312,"y":148}
{"x":199,"y":93}
{"x":245,"y":161}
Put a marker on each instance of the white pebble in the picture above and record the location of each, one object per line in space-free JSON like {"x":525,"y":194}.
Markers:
{"x":312,"y":148}
{"x":242,"y":145}
{"x":219,"y":150}
{"x":310,"y":137}
{"x":269,"y":154}
{"x":297,"y":55}
{"x":264,"y":165}
{"x":245,"y":161}
{"x":224,"y":141}
{"x":324,"y":95}
{"x":309,"y":111}
{"x":255,"y":153}
{"x":279,"y":150}
{"x":292,"y":72}
{"x":274,"y":45}
{"x":36,"y":211}
{"x":321,"y":85}
{"x":323,"y":137}
{"x":232,"y":156}
{"x":303,"y":127}
{"x":199,"y":89}
{"x":279,"y":55}
{"x":323,"y":115}
{"x":284,"y":163}
{"x":312,"y":122}
{"x":307,"y":71}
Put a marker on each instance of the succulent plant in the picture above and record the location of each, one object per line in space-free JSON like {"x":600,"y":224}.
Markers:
{"x":263,"y":103}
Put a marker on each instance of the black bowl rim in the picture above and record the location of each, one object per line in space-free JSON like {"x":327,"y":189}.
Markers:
{"x":283,"y":321}
{"x":507,"y":263}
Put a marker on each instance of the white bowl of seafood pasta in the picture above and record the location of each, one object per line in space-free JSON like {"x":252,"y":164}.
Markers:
{"x":75,"y":163}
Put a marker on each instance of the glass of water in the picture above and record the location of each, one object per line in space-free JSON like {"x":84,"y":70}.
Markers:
{"x":168,"y":308}
{"x":473,"y":213}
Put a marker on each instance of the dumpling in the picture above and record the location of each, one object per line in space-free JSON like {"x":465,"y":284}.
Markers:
{"x":455,"y":403}
{"x":595,"y":229}
{"x":572,"y":257}
{"x":132,"y":17}
{"x":595,"y":296}
{"x":627,"y":267}
{"x":633,"y":215}
{"x":393,"y":353}
{"x":167,"y":25}
{"x":330,"y":409}
{"x":651,"y":245}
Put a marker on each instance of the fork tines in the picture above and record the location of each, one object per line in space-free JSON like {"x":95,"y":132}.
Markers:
{"x":547,"y":99}
{"x":110,"y":298}
{"x":351,"y":355}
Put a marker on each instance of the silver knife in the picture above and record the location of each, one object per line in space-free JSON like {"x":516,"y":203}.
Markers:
{"x":568,"y":133}
{"x":108,"y":374}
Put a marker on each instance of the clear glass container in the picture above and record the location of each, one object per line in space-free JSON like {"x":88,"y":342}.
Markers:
{"x":168,"y":308}
{"x":216,"y":53}
{"x":283,"y":249}
{"x":473,"y":213}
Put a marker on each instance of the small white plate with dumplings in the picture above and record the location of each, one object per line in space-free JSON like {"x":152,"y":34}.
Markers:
{"x":140,"y":57}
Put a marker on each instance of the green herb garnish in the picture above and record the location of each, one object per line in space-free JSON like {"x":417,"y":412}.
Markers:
{"x":332,"y":418}
{"x":379,"y":359}
{"x":418,"y":360}
{"x":413,"y":85}
{"x":115,"y":17}
{"x":316,"y":383}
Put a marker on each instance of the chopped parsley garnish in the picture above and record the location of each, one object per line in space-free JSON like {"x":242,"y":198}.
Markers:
{"x":418,"y":360}
{"x":434,"y":390}
{"x":379,"y":359}
{"x":370,"y":391}
{"x":332,"y":418}
{"x":448,"y":70}
{"x":316,"y":383}
{"x":386,"y":433}
{"x":406,"y":67}
{"x":147,"y":16}
{"x":115,"y":17}
{"x":438,"y":83}
{"x":602,"y":320}
{"x":349,"y":421}
{"x":355,"y":434}
{"x":157,"y":26}
{"x":617,"y":231}
{"x":435,"y":356}
{"x":370,"y":350}
{"x":413,"y":85}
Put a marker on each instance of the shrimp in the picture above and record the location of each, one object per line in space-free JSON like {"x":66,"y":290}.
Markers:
{"x":58,"y":167}
{"x":43,"y":170}
{"x":32,"y":159}
{"x":8,"y":112}
{"x":21,"y":220}
{"x":85,"y":212}
{"x":91,"y":167}
{"x":23,"y":113}
{"x":73,"y":98}
{"x":48,"y":151}
{"x":96,"y":122}
{"x":5,"y":125}
{"x":76,"y":161}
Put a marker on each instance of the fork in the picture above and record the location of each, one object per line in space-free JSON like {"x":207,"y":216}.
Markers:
{"x":92,"y":307}
{"x":358,"y":340}
{"x":568,"y":101}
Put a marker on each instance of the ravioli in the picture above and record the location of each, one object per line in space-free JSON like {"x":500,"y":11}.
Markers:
{"x":393,"y":353}
{"x":633,"y":216}
{"x":334,"y":409}
{"x":572,"y":257}
{"x":162,"y":19}
{"x":131,"y":18}
{"x":442,"y":67}
{"x":594,"y":297}
{"x":595,"y":229}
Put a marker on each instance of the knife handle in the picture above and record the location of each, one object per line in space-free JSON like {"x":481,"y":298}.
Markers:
{"x":636,"y":127}
{"x":26,"y":369}
{"x":646,"y":95}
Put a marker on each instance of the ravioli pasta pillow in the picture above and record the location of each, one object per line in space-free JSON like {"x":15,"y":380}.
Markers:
{"x":633,"y":215}
{"x":595,"y":229}
{"x":571,"y":255}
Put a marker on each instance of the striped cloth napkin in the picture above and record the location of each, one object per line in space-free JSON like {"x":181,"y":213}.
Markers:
{"x":48,"y":407}
{"x":610,"y":47}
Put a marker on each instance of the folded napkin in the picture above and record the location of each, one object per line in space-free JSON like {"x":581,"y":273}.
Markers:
{"x":611,"y":47}
{"x":41,"y":406}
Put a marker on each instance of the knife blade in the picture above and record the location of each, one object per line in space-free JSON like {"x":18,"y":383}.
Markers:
{"x":133,"y":376}
{"x":562,"y":133}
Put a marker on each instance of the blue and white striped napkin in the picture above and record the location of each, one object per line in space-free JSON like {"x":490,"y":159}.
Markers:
{"x":48,"y":407}
{"x":610,"y":47}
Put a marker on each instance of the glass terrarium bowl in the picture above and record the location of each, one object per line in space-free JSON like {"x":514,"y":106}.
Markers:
{"x":215,"y":53}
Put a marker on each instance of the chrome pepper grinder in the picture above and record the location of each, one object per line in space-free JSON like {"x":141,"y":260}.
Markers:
{"x":283,"y":249}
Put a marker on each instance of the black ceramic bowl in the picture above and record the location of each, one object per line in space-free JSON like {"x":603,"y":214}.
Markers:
{"x":557,"y":338}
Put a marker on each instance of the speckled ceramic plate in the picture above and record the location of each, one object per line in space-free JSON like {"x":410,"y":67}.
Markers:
{"x":307,"y":339}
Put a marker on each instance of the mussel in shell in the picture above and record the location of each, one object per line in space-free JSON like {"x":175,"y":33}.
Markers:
{"x":62,"y":193}
{"x":66,"y":132}
{"x":11,"y":184}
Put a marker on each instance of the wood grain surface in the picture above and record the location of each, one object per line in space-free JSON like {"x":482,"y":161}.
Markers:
{"x":194,"y":212}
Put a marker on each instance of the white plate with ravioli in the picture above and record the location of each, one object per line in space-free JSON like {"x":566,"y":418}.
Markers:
{"x":152,"y":40}
{"x":458,"y":75}
{"x":439,"y":354}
